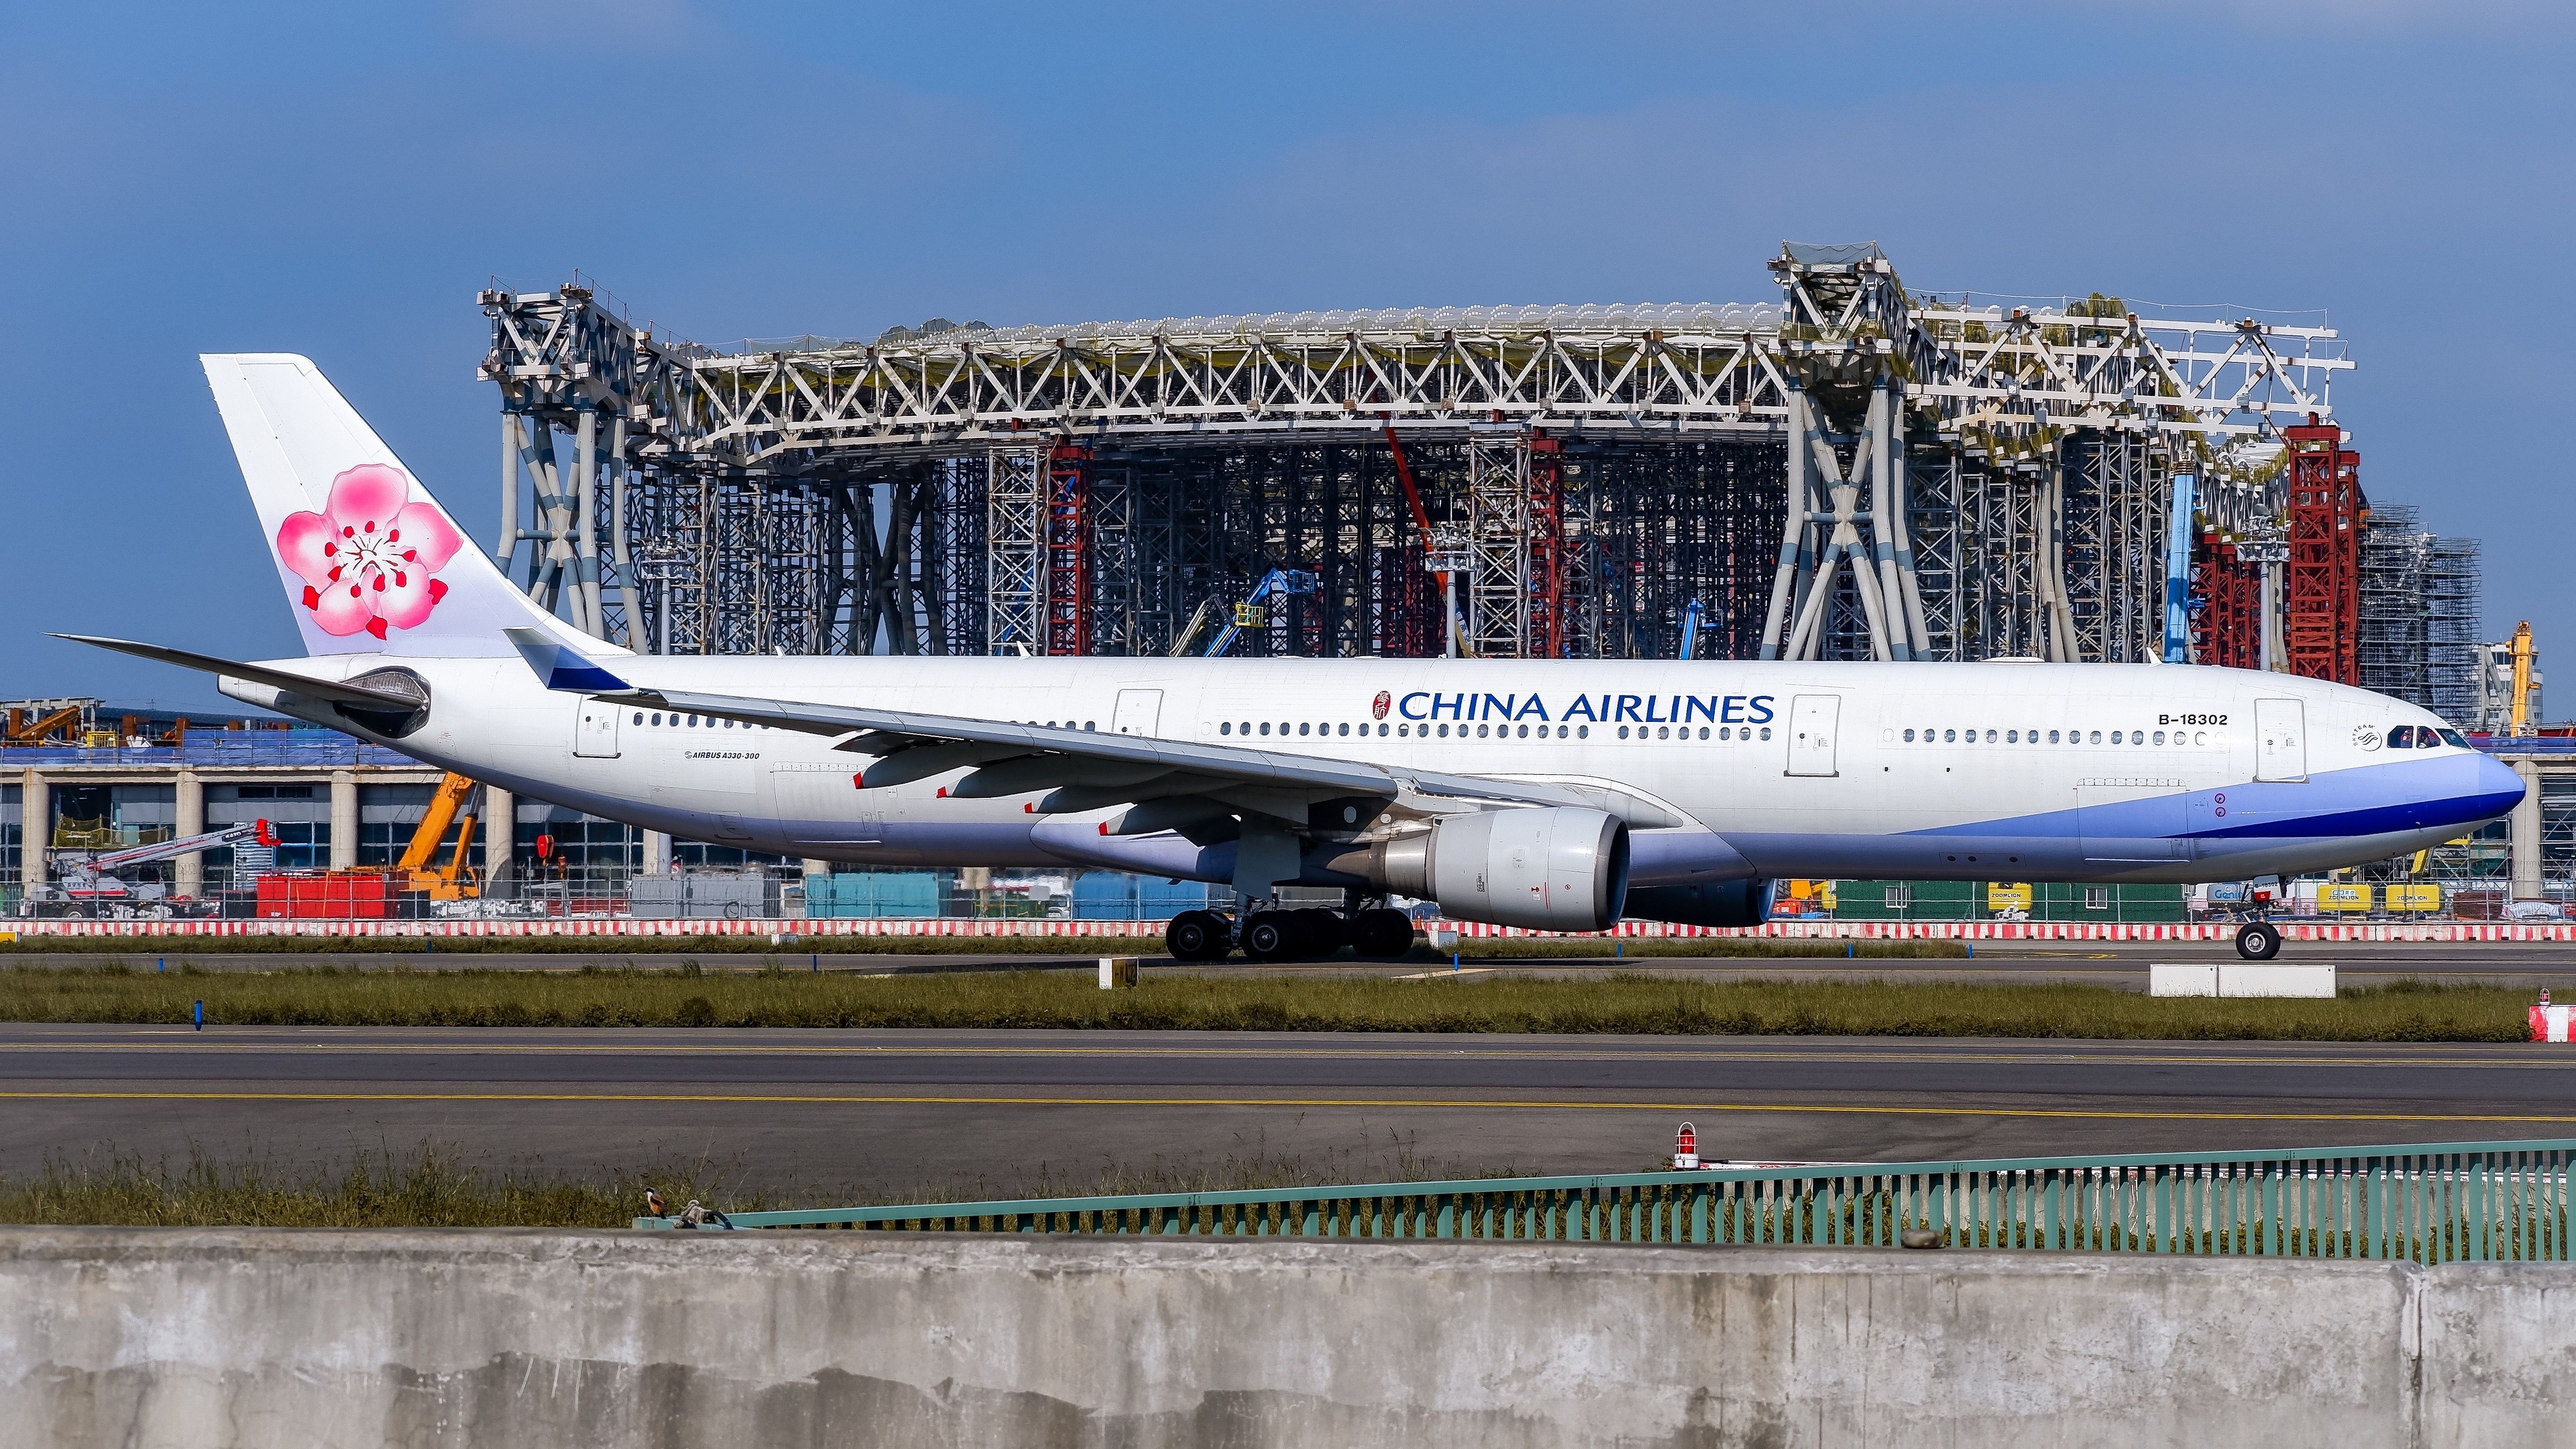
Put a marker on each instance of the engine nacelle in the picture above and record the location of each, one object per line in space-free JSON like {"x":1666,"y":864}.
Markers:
{"x":1562,"y":868}
{"x":1712,"y":903}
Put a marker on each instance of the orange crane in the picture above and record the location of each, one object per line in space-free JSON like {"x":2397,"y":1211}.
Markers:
{"x":453,"y":881}
{"x":1455,"y":641}
{"x":2522,"y":656}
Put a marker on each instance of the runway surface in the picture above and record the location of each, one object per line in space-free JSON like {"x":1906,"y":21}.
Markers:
{"x":817,"y":1111}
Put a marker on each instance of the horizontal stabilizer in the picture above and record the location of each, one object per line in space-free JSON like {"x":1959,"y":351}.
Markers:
{"x":311,"y":688}
{"x":559,"y":667}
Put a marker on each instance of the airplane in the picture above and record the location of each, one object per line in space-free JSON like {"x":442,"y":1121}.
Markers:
{"x":1560,"y":795}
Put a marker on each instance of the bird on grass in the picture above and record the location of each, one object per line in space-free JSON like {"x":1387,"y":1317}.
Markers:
{"x":698,"y":1215}
{"x":654,"y":1205}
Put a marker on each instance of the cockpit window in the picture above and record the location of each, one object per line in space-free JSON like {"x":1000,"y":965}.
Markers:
{"x":2454,"y":739}
{"x":2402,"y":738}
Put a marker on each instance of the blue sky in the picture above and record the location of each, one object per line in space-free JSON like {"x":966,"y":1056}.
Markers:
{"x":339,"y":180}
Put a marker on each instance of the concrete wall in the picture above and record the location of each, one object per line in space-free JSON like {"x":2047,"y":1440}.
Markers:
{"x":494,"y":1339}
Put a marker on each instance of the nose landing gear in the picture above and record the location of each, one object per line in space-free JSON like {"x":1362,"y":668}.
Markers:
{"x":2258,"y":940}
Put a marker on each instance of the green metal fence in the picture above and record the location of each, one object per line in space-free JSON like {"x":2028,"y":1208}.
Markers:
{"x":2432,"y":1202}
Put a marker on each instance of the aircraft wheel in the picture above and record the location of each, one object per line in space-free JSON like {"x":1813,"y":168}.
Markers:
{"x":2258,"y":940}
{"x":1269,"y":936}
{"x":1325,"y":933}
{"x":1382,"y":935}
{"x":1197,"y":936}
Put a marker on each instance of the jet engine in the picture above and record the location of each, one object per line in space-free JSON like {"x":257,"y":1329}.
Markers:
{"x":1563,"y":868}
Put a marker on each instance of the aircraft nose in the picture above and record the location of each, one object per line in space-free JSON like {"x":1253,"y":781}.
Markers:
{"x":2497,"y":781}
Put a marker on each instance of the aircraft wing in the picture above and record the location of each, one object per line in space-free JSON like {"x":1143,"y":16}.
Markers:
{"x":336,"y":691}
{"x":1084,"y":770}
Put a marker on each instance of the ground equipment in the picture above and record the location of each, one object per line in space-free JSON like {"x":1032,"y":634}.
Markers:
{"x":1253,"y":613}
{"x":88,"y":880}
{"x":456,"y":802}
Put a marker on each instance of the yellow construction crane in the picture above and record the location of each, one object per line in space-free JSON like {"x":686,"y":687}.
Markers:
{"x":2522,"y":656}
{"x":453,"y":881}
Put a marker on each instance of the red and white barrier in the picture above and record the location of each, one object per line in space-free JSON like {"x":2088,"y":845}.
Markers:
{"x":2550,"y":1023}
{"x":2436,"y":932}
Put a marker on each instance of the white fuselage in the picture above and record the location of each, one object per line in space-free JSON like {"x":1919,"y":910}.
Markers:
{"x":1910,"y":771}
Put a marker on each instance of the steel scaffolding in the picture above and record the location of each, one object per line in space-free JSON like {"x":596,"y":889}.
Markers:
{"x":1857,"y":471}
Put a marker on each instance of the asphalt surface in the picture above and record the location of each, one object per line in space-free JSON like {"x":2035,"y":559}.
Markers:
{"x":1004,"y":1111}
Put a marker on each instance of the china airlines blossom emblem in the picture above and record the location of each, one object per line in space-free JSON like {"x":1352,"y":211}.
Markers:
{"x":369,"y":558}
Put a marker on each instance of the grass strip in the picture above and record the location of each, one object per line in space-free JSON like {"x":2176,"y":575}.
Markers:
{"x":1622,"y":1002}
{"x":129,"y":948}
{"x":436,"y":1187}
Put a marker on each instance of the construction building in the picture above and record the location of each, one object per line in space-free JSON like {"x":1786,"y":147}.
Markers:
{"x":1853,"y":471}
{"x":2419,"y":619}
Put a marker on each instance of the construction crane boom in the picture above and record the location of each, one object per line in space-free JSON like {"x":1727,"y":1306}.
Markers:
{"x":449,"y":806}
{"x":2522,"y":656}
{"x":1250,"y":614}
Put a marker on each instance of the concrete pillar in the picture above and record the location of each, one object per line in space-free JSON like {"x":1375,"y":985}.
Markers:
{"x":35,"y":828}
{"x":2525,"y":828}
{"x":657,"y":853}
{"x":344,"y":820}
{"x":192,"y":821}
{"x":500,"y":827}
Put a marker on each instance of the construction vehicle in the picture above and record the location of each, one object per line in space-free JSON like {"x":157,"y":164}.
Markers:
{"x":457,"y":802}
{"x":1251,"y":613}
{"x":1690,"y":628}
{"x":47,"y":721}
{"x":89,"y":883}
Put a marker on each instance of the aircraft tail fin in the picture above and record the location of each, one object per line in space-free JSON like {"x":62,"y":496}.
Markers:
{"x":369,"y":561}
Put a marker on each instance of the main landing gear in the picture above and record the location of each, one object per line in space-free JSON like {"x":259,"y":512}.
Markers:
{"x":2258,"y":940}
{"x":1273,"y":934}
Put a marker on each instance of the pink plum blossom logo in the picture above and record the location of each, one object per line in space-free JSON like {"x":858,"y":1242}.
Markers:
{"x":368,"y":559}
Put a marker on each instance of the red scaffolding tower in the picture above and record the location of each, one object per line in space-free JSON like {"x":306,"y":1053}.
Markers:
{"x":1548,"y":624}
{"x":1068,"y":550}
{"x":2228,"y":631}
{"x":2321,"y":607}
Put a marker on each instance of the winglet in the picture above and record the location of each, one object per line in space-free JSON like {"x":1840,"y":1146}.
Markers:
{"x":559,"y":667}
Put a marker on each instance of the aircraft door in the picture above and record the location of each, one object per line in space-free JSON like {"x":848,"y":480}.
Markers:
{"x":1138,"y":713}
{"x":594,"y":735}
{"x":1813,"y":722}
{"x":2281,"y":725}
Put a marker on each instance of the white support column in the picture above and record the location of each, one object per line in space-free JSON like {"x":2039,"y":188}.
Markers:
{"x":35,"y":828}
{"x":657,"y":852}
{"x":500,"y":827}
{"x":191,"y":870}
{"x":619,"y":545}
{"x":586,"y":524}
{"x":344,"y":820}
{"x":1793,"y":530}
{"x":2525,"y":831}
{"x":507,"y":545}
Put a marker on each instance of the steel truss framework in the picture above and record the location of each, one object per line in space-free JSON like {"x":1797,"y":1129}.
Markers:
{"x":1960,"y":482}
